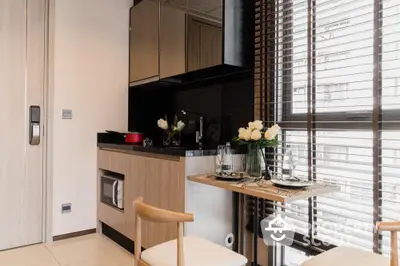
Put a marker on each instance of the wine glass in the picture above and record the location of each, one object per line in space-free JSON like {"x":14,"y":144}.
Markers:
{"x":221,"y":149}
{"x":290,"y":160}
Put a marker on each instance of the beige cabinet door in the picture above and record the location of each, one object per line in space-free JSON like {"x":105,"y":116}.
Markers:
{"x":135,"y":179}
{"x":164,"y":188}
{"x":211,"y":45}
{"x":161,"y":182}
{"x":22,"y":35}
{"x":172,"y":41}
{"x":144,"y":46}
{"x":204,"y":43}
{"x":193,"y":44}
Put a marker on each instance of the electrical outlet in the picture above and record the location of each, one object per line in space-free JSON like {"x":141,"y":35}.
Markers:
{"x":66,"y":207}
{"x":66,"y":114}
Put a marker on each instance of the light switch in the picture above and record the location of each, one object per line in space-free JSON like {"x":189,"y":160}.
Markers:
{"x":66,"y":114}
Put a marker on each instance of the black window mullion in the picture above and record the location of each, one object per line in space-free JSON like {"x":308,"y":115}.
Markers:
{"x":313,"y":102}
{"x":376,"y":122}
{"x":272,"y":71}
{"x":311,"y":108}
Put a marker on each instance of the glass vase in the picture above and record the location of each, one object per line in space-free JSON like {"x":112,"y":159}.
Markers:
{"x":253,"y":160}
{"x":176,"y":139}
{"x":166,"y":139}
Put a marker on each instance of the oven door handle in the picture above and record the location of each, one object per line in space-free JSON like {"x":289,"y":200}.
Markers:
{"x":113,"y":193}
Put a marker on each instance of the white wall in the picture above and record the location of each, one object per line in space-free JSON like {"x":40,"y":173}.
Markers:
{"x":91,"y":78}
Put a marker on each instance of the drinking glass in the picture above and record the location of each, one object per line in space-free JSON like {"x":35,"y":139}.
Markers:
{"x":221,"y":151}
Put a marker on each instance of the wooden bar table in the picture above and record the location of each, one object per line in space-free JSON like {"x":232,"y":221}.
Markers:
{"x":265,"y":190}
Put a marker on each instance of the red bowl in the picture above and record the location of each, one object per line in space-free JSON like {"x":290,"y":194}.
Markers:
{"x":134,"y":137}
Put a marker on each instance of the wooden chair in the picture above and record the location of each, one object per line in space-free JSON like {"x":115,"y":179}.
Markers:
{"x":348,"y":256}
{"x":393,"y":228}
{"x":190,"y":251}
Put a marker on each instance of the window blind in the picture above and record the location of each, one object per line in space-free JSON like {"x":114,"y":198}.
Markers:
{"x":389,"y":156}
{"x":328,"y":74}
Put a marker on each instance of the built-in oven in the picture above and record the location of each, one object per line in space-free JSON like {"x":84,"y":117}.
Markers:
{"x":112,"y":190}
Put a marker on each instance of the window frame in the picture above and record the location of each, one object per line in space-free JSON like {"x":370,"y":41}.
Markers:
{"x":360,"y":120}
{"x":370,"y":120}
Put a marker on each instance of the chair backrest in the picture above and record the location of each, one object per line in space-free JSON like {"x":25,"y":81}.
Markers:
{"x":393,"y":228}
{"x":156,"y":215}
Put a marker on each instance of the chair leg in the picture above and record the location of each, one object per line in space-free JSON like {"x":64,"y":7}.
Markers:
{"x":180,"y":244}
{"x":138,"y":242}
{"x":394,"y":256}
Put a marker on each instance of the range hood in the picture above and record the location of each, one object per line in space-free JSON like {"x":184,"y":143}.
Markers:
{"x":198,"y":40}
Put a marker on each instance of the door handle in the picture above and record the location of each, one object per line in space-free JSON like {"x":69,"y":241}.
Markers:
{"x":114,"y":201}
{"x":34,"y":125}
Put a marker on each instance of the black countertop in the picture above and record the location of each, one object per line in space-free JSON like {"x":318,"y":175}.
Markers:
{"x":179,"y":151}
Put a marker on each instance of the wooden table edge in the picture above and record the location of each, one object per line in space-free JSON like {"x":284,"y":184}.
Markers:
{"x":262,"y":195}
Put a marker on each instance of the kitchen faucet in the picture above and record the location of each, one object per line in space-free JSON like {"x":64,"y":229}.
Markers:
{"x":199,"y":133}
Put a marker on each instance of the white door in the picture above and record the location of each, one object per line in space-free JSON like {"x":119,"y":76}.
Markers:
{"x":22,"y":50}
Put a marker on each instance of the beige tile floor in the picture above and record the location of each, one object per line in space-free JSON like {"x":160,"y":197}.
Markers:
{"x":91,"y":250}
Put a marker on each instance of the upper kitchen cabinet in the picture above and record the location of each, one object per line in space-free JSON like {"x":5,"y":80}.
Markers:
{"x":204,"y":43}
{"x":204,"y":32}
{"x":157,"y":41}
{"x":144,"y":41}
{"x":172,"y":41}
{"x":179,"y":41}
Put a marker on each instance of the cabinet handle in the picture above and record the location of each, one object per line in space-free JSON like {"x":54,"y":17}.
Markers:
{"x":113,"y":193}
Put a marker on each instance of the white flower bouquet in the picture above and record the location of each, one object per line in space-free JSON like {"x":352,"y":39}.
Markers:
{"x":171,"y":132}
{"x":257,"y":134}
{"x":257,"y":138}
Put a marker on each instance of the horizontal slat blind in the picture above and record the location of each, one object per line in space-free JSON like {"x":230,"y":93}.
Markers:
{"x":389,"y":173}
{"x":333,"y":84}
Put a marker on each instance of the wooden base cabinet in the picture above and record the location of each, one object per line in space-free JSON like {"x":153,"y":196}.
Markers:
{"x":160,"y":179}
{"x":112,"y":217}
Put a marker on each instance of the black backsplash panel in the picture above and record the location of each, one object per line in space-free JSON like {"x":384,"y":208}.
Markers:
{"x":226,"y":104}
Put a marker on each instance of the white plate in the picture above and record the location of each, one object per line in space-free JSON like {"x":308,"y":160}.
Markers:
{"x":235,"y":176}
{"x":291,"y":183}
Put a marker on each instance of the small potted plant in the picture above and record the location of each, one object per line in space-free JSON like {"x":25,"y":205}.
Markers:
{"x":257,"y":138}
{"x":171,"y":133}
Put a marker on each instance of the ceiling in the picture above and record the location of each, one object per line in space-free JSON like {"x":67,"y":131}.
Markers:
{"x":212,"y":8}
